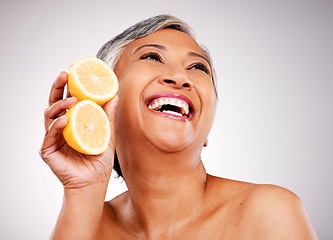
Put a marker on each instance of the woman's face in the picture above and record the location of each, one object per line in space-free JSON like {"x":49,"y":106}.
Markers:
{"x":166,"y":95}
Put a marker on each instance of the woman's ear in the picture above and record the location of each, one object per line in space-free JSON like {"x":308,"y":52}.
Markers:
{"x":206,"y":143}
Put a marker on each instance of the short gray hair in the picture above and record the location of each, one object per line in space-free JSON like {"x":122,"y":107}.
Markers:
{"x":112,"y":50}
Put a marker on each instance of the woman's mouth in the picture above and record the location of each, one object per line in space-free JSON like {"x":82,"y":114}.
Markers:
{"x":173,"y":105}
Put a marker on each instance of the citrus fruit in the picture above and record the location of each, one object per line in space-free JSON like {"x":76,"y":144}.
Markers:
{"x":88,"y":128}
{"x":91,"y":78}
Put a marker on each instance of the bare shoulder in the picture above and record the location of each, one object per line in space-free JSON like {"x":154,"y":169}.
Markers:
{"x":263,"y":210}
{"x":279,"y":213}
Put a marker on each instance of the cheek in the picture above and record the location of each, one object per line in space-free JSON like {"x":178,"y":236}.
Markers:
{"x":206,"y":92}
{"x":208,"y":104}
{"x":202,"y":81}
{"x":129,"y":85}
{"x":137,"y":76}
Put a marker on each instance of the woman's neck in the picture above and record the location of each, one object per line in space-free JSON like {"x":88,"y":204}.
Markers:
{"x":167,"y":196}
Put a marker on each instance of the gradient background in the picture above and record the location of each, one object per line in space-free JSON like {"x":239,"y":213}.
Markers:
{"x":274,"y":117}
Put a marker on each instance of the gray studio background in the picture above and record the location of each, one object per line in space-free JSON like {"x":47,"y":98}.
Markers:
{"x":274,"y":117}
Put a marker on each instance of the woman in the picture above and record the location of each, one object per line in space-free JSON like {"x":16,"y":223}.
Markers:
{"x":160,"y":119}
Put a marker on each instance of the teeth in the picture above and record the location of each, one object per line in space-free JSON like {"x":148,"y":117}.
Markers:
{"x":186,"y":108}
{"x":156,"y":105}
{"x":172,"y":112}
{"x":179,"y":103}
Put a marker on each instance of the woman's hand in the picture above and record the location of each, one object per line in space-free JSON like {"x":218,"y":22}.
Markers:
{"x":73,"y":169}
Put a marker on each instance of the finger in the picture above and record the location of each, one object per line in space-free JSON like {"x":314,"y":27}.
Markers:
{"x":110,"y":109}
{"x":68,"y":95}
{"x":58,"y":109}
{"x":57,"y":90}
{"x":52,"y":137}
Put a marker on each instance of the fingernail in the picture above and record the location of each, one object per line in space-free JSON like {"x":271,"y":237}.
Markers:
{"x":71,"y":98}
{"x":63,"y":117}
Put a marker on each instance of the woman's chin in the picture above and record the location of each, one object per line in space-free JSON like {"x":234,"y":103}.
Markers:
{"x":170,"y":142}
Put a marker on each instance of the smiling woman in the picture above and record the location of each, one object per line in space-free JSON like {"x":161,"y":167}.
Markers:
{"x":160,"y":122}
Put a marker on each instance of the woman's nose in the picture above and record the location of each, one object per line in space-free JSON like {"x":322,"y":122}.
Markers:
{"x":176,"y":78}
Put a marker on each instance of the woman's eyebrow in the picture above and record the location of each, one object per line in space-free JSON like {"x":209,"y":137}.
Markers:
{"x":161,"y":47}
{"x":194,"y":54}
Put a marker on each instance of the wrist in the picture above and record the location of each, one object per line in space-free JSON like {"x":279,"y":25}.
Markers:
{"x":96,"y":191}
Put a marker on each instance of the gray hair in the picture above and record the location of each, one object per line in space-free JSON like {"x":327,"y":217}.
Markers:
{"x":112,"y":50}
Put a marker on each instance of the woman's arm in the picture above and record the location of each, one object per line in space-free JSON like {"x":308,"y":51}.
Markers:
{"x":84,"y":178}
{"x":80,"y":214}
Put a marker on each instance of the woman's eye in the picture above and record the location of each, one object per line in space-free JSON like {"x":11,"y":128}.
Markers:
{"x":200,"y":66}
{"x":152,"y":56}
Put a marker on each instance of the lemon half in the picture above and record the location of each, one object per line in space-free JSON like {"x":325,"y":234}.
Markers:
{"x":88,"y":129}
{"x":91,"y":78}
